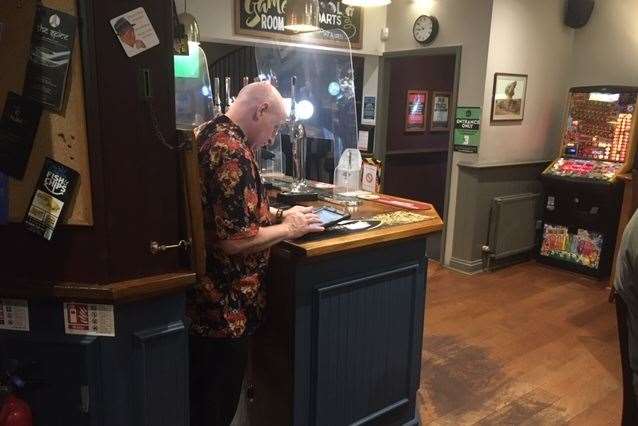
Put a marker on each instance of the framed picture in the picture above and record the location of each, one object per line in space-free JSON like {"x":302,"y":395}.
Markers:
{"x":508,"y":97}
{"x":365,"y":143}
{"x":416,"y":110}
{"x":440,"y":119}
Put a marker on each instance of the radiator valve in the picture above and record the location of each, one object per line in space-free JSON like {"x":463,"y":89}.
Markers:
{"x":486,"y":249}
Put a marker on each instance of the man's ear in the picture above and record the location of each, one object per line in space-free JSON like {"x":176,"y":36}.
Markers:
{"x":261,"y":109}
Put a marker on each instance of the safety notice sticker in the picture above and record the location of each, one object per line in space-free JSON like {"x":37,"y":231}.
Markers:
{"x":89,"y":319}
{"x":14,"y":314}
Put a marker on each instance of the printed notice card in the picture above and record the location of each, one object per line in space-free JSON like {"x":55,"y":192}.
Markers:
{"x":135,"y":32}
{"x":49,"y":58}
{"x":54,"y":190}
{"x":14,"y":314}
{"x":467,"y":128}
{"x":18,"y":126}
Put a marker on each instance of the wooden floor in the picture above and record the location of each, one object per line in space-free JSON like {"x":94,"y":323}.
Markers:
{"x":526,"y":345}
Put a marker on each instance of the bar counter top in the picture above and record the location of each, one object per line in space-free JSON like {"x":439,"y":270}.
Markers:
{"x":382,"y":234}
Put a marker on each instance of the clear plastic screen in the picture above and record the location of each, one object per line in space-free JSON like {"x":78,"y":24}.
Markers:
{"x":325,"y":99}
{"x":193,"y":93}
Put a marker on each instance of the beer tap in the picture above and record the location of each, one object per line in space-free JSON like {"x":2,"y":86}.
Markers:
{"x":229,"y":99}
{"x":298,"y":141}
{"x":217,"y":102}
{"x":300,"y":189}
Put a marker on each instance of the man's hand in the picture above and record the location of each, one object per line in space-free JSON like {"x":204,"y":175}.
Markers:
{"x":294,"y":209}
{"x":301,"y":221}
{"x":297,"y":222}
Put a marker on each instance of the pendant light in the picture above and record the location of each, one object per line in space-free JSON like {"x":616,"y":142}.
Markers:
{"x":302,"y":16}
{"x":366,"y":3}
{"x":191,"y":27}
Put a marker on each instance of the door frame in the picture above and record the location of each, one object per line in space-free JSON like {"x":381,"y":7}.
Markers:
{"x":383,"y":91}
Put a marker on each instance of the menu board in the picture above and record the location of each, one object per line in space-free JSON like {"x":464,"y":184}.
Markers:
{"x":267,"y":19}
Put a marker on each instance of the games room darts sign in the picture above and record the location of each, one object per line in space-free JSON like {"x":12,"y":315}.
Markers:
{"x":339,"y":23}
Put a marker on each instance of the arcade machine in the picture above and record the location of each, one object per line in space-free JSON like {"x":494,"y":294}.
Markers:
{"x":583,"y":195}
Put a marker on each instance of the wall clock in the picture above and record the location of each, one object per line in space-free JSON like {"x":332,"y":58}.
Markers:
{"x":425,"y":29}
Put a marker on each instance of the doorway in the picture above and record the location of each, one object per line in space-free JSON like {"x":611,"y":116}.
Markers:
{"x":417,"y":163}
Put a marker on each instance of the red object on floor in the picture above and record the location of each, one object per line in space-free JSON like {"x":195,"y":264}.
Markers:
{"x":15,"y":412}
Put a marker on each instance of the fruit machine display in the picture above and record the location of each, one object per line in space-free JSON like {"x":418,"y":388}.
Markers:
{"x":582,"y":192}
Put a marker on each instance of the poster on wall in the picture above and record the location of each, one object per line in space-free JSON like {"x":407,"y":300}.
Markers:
{"x":51,"y":198}
{"x":18,"y":126}
{"x":415,"y":110}
{"x":49,"y":57}
{"x":267,"y":19}
{"x":369,"y":110}
{"x":467,"y":129}
{"x":440,"y":121}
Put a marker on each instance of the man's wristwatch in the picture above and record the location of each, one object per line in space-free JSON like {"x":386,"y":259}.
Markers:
{"x":279,"y":216}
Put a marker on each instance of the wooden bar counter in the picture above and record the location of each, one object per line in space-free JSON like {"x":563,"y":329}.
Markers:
{"x":342,"y":343}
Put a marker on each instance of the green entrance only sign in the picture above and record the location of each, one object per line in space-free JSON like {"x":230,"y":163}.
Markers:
{"x":467,"y":129}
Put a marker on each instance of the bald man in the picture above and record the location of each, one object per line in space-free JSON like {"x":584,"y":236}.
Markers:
{"x":229,"y":303}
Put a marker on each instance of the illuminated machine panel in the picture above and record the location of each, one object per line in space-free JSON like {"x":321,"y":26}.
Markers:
{"x":598,"y":137}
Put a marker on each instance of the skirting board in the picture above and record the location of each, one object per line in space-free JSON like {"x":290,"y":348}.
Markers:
{"x":469,"y":267}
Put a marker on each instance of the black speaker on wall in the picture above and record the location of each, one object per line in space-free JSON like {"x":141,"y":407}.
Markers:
{"x":578,"y":12}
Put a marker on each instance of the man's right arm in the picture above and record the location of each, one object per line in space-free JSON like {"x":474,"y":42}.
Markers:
{"x":233,"y":203}
{"x":295,"y":225}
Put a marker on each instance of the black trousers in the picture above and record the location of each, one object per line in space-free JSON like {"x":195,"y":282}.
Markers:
{"x":628,"y":336}
{"x":216,"y":374}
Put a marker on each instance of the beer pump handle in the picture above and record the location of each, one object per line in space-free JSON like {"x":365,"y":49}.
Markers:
{"x":217,"y":102}
{"x":293,"y":99}
{"x":229,"y":100}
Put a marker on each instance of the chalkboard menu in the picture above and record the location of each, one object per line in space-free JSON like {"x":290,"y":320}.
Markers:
{"x":267,"y":18}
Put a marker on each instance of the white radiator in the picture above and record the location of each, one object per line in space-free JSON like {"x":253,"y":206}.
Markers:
{"x":512,"y":226}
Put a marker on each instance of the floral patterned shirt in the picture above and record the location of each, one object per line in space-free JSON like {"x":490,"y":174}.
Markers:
{"x":230,"y":300}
